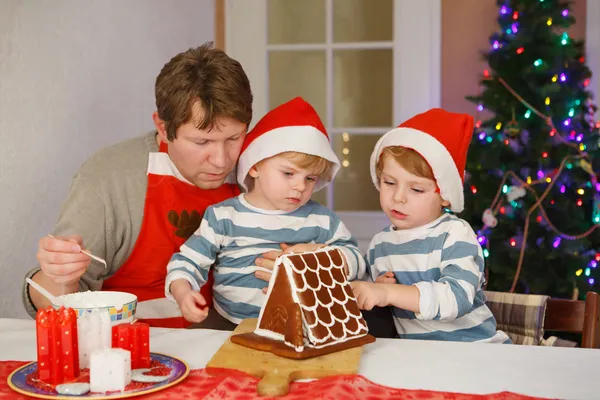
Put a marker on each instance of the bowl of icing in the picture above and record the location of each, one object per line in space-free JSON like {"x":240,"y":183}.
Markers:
{"x":120,"y":305}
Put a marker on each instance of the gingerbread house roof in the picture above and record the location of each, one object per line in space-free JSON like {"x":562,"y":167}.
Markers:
{"x":319,"y":286}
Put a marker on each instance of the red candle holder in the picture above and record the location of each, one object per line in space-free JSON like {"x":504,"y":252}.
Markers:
{"x":57,"y":352}
{"x":135,"y":338}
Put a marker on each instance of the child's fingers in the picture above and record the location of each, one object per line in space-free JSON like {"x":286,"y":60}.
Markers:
{"x":263,"y":275}
{"x":199,"y":299}
{"x":265,"y":290}
{"x":272,"y":255}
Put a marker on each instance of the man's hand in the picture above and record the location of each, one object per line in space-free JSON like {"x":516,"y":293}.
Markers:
{"x":369,"y":295}
{"x":388,"y":277}
{"x":191,"y":303}
{"x":62,"y":265}
{"x":61,"y":259}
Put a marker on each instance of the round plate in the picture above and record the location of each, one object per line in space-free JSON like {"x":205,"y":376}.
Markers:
{"x":17,"y":381}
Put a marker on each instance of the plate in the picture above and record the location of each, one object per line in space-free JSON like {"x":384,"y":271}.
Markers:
{"x":17,"y":381}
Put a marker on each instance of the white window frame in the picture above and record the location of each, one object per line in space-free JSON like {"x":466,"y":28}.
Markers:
{"x":416,"y":82}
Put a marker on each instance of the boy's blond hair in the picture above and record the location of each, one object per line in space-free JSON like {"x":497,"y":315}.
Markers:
{"x":316,"y":165}
{"x":408,"y":159}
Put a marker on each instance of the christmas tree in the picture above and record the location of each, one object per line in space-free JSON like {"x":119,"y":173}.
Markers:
{"x":531,"y":187}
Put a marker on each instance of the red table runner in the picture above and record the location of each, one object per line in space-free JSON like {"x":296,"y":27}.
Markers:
{"x":234,"y":384}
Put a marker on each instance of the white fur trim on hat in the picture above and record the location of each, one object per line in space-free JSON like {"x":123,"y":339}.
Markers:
{"x":302,"y":139}
{"x":446,"y":174}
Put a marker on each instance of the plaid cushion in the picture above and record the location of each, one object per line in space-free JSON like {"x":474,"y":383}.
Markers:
{"x":521,"y":316}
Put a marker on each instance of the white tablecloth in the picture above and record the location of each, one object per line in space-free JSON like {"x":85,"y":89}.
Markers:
{"x":409,"y":364}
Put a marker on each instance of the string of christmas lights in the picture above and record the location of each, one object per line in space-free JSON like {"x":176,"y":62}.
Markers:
{"x":522,"y":186}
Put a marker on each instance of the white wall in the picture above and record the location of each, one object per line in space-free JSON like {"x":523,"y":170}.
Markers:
{"x":75,"y":76}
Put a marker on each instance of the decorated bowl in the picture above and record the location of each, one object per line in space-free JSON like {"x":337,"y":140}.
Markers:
{"x":120,"y":305}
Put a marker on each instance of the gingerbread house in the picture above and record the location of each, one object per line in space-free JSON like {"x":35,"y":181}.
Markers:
{"x":310,"y":309}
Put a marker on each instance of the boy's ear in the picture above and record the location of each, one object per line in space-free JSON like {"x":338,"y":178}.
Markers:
{"x":253,"y":172}
{"x":445,"y":203}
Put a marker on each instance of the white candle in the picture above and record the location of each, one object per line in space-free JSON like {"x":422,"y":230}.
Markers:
{"x":94,"y":333}
{"x":110,"y":370}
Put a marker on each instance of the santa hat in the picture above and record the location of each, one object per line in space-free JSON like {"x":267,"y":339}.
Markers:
{"x":292,"y":126}
{"x":442,"y":138}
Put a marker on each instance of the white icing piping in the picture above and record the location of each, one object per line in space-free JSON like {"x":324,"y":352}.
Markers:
{"x":309,"y":339}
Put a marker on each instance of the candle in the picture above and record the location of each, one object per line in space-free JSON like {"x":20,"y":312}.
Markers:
{"x":135,"y":338}
{"x":110,"y":370}
{"x":57,"y":350}
{"x":94,"y":330}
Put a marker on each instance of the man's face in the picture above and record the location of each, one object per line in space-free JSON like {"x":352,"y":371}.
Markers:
{"x":206,"y":157}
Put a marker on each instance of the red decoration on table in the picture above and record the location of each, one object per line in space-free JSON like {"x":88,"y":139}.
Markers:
{"x":231,"y":384}
{"x":57,"y":352}
{"x":135,"y":338}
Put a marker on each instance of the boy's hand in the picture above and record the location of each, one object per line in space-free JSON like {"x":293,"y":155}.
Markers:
{"x":191,"y":303}
{"x":369,"y":295}
{"x":267,"y":262}
{"x":193,"y":307}
{"x":388,"y":277}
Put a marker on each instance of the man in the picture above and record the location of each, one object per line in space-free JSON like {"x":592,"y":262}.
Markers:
{"x":134,"y":203}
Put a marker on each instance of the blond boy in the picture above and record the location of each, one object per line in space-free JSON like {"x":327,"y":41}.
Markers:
{"x":285,"y":158}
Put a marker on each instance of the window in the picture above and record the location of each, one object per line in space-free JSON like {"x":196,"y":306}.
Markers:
{"x":365,"y":65}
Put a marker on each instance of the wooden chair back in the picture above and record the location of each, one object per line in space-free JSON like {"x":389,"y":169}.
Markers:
{"x":577,"y":317}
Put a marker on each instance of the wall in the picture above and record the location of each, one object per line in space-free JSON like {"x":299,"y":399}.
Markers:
{"x":75,"y":76}
{"x":466,"y":26}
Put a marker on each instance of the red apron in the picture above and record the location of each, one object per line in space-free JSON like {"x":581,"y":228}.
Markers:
{"x":172,"y":212}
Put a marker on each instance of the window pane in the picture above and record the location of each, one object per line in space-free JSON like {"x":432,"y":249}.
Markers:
{"x":297,"y":73}
{"x":296,"y":21}
{"x":362,"y":20}
{"x":353,"y":187}
{"x":362,"y":88}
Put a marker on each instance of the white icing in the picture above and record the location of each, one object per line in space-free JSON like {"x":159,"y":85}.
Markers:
{"x":96,"y":299}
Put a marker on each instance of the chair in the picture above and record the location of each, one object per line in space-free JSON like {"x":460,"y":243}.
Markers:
{"x":525,"y":318}
{"x":577,"y":317}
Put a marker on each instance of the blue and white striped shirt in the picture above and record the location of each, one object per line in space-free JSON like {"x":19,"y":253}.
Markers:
{"x":444,"y":260}
{"x":234,"y":233}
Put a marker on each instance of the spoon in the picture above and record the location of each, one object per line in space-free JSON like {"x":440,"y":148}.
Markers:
{"x":87,"y":253}
{"x":53,"y":299}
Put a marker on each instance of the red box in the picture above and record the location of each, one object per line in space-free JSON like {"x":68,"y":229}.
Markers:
{"x":135,"y":338}
{"x":57,"y":351}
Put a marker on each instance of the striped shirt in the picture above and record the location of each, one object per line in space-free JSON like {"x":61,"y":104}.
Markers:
{"x":444,"y":260}
{"x":234,"y":233}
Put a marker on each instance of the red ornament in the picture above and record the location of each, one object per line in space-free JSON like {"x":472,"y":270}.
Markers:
{"x":57,"y":350}
{"x":135,"y":338}
{"x":520,"y":50}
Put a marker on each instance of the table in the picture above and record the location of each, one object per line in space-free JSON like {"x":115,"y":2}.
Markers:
{"x":410,"y":364}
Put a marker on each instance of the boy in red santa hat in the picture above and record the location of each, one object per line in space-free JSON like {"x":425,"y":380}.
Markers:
{"x":284,"y":160}
{"x":428,"y":265}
